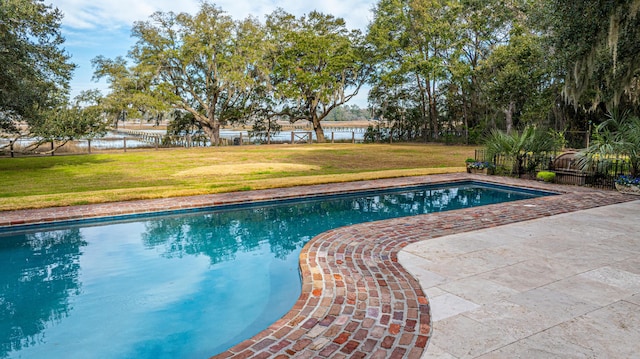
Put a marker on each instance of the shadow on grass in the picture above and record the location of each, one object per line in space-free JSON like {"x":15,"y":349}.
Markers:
{"x":44,"y":162}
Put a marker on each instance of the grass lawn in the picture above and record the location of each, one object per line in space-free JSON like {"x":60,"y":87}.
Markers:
{"x":36,"y":182}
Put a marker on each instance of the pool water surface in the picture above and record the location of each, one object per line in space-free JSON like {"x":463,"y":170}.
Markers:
{"x":188,"y":285}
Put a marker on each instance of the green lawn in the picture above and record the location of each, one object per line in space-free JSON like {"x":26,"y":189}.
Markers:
{"x":36,"y":182}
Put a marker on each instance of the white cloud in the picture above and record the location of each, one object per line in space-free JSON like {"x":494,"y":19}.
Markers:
{"x":110,"y":14}
{"x":355,"y":12}
{"x":102,"y":27}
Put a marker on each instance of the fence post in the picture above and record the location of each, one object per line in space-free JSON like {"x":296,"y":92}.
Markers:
{"x":353,"y":137}
{"x":292,"y":137}
{"x":240,"y":142}
{"x":310,"y":137}
{"x":52,"y":147}
{"x":331,"y":137}
{"x":89,"y":145}
{"x":156,"y":140}
{"x":11,"y":147}
{"x":124,"y":142}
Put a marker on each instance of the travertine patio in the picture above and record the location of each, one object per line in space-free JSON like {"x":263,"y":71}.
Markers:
{"x":566,"y":286}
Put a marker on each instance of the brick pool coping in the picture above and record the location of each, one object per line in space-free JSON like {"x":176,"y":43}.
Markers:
{"x":357,"y":301}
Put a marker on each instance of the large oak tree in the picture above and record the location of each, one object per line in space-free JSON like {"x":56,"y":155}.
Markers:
{"x":318,"y":65}
{"x":206,"y":64}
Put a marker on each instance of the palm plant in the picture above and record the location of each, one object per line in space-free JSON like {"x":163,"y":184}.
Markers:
{"x":616,"y":139}
{"x":517,"y":145}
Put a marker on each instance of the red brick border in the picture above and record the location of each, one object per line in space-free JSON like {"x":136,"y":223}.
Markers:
{"x":356,"y":301}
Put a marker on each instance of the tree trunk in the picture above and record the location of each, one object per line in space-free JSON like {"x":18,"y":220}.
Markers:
{"x":474,"y":111}
{"x":433,"y":114}
{"x":465,"y":116}
{"x":423,"y":107}
{"x":213,"y":131}
{"x":317,"y":127}
{"x":211,"y":123}
{"x":509,"y":116}
{"x":433,"y":110}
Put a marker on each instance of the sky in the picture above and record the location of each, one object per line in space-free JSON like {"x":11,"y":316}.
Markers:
{"x":103,"y":27}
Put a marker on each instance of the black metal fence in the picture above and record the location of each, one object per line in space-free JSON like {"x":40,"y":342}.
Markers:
{"x":598,"y":174}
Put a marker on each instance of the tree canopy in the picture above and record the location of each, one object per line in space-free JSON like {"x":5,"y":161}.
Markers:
{"x":514,"y":73}
{"x":437,"y":68}
{"x":318,"y":65}
{"x":34,"y":68}
{"x":413,"y":43}
{"x":206,"y":64}
{"x":599,"y":50}
{"x":223,"y":71}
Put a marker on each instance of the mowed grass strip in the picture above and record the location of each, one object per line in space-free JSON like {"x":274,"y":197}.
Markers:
{"x":37,"y":182}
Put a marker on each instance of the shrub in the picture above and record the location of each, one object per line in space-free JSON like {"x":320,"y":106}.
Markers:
{"x":481,"y":165}
{"x":518,"y":145}
{"x":628,"y":180}
{"x":617,"y":137}
{"x":546,"y":176}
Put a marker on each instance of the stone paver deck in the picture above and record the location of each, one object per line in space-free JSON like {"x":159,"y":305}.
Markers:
{"x":566,"y":286}
{"x":358,"y":301}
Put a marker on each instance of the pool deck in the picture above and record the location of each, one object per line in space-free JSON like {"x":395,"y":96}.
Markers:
{"x":565,"y":286}
{"x":555,"y":276}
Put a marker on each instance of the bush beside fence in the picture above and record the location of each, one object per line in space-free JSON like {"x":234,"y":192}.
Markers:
{"x":600,"y":174}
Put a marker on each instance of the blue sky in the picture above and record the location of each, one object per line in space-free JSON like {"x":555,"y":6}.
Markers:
{"x":103,"y":27}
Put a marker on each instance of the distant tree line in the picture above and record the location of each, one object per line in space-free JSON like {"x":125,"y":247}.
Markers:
{"x":349,"y":113}
{"x":433,"y":66}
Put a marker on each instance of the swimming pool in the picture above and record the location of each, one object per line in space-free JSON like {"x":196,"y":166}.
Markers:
{"x":161,"y":286}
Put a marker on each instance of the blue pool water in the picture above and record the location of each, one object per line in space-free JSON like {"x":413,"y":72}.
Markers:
{"x":188,"y":285}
